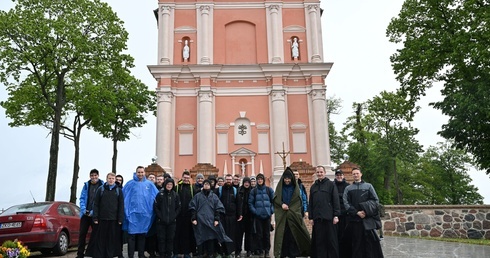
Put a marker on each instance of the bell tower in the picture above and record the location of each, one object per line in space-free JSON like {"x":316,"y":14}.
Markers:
{"x":240,"y":81}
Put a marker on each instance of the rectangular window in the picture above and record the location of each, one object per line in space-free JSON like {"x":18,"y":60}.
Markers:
{"x":263,"y":142}
{"x":222,"y":143}
{"x":185,"y":143}
{"x":299,"y":142}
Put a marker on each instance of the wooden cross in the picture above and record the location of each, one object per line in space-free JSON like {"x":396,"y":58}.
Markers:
{"x":283,"y":155}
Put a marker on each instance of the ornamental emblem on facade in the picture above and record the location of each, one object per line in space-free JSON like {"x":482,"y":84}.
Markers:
{"x":242,"y":129}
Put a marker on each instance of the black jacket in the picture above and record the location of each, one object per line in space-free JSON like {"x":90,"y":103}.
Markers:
{"x":324,"y":200}
{"x":340,"y":188}
{"x":228,"y":195}
{"x":372,"y":220}
{"x":108,"y":203}
{"x":244,"y":193}
{"x":185,"y":192}
{"x":166,"y":206}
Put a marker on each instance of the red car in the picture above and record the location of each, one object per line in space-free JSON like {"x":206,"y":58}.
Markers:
{"x":49,"y":227}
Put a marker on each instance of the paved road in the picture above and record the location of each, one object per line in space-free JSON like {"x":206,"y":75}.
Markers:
{"x":397,"y":247}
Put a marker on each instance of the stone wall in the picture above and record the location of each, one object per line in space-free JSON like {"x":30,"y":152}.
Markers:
{"x":448,"y":221}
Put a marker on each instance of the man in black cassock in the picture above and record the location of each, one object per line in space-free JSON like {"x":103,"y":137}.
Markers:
{"x":108,"y":215}
{"x":361,"y":203}
{"x":228,"y":195}
{"x":323,"y":212}
{"x":184,"y":241}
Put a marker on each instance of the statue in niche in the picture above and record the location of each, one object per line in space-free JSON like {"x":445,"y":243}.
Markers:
{"x":295,"y":48}
{"x":186,"y":51}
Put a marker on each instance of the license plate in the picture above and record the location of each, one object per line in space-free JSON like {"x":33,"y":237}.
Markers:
{"x":11,"y":225}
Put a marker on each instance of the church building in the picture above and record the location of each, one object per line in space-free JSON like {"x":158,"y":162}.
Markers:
{"x":241,"y":87}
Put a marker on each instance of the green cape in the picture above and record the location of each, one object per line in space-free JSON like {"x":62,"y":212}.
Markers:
{"x":294,"y":219}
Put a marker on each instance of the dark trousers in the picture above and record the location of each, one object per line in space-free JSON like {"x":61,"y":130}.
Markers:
{"x":86,"y":222}
{"x":166,"y":234}
{"x":244,"y":228}
{"x":229,"y":224}
{"x":324,"y":242}
{"x":207,"y":248}
{"x":184,"y":241}
{"x":343,"y":245}
{"x":105,"y":240}
{"x":140,"y":240}
{"x":362,"y":243}
{"x":262,"y":235}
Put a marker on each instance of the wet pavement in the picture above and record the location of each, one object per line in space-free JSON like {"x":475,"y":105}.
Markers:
{"x":400,"y":247}
{"x":397,"y":247}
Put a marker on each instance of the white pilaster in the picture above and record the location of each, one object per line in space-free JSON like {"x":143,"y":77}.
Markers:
{"x":164,"y":128}
{"x":313,"y":32}
{"x":320,"y":126}
{"x":164,"y":37}
{"x":205,"y":129}
{"x":279,"y":128}
{"x":275,"y":28}
{"x":253,"y":165}
{"x":204,"y":34}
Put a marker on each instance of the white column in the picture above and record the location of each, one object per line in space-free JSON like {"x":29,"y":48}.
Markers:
{"x":164,"y":34}
{"x":279,"y":128}
{"x":164,"y":128}
{"x":320,"y":127}
{"x":276,"y":37}
{"x":313,"y":16}
{"x":253,"y":165}
{"x":205,"y":34}
{"x":233,"y":166}
{"x":205,"y":128}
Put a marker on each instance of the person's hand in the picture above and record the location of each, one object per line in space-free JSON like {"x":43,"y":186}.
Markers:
{"x":311,"y":222}
{"x":285,"y":207}
{"x":335,"y":220}
{"x":96,"y":222}
{"x":240,"y":218}
{"x":194,"y":222}
{"x":361,"y":214}
{"x":216,"y":223}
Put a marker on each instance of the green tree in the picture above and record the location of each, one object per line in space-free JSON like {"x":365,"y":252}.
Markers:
{"x":446,"y":41}
{"x":338,"y":142}
{"x":390,"y":116}
{"x":49,"y":51}
{"x":125,"y":101}
{"x":382,"y":138}
{"x":445,"y":170}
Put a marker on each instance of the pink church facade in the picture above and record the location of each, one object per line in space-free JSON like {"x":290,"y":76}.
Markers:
{"x":239,"y":82}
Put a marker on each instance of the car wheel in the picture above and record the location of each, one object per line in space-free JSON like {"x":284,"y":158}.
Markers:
{"x":61,"y":247}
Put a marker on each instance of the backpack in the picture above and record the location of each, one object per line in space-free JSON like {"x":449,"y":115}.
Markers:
{"x":220,"y":190}
{"x":103,"y":188}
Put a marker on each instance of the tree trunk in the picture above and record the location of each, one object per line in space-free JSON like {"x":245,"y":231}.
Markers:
{"x":399,"y":198}
{"x":55,"y":140}
{"x":114,"y":156}
{"x":77,"y":129}
{"x":53,"y":159}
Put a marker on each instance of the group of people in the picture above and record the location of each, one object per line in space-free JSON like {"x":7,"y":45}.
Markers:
{"x":213,"y":216}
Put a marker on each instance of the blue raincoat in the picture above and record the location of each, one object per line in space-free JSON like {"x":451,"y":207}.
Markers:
{"x":138,"y":205}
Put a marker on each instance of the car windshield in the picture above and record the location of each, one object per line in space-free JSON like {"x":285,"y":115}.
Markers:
{"x":27,"y":208}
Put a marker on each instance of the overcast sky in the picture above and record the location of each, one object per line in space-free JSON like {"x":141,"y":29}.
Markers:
{"x":354,"y":40}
